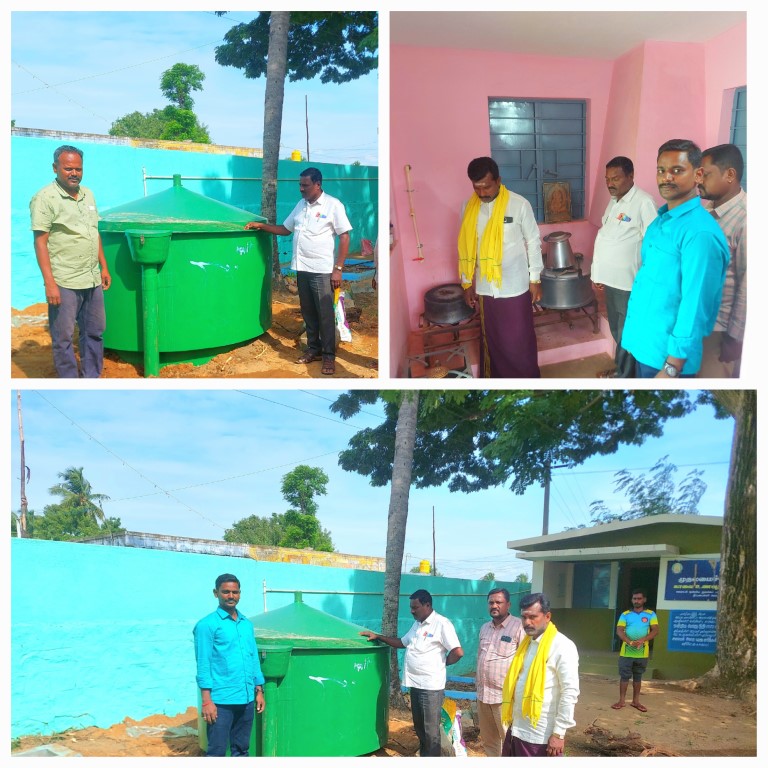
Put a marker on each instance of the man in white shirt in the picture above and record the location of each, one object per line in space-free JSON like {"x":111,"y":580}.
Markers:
{"x":542,"y":685}
{"x":316,"y":221}
{"x":498,"y":642}
{"x":431,"y":644}
{"x":616,"y":256}
{"x":500,"y":268}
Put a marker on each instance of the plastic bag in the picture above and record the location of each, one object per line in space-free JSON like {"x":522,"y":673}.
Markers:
{"x":450,"y":717}
{"x":459,"y":747}
{"x":341,"y":320}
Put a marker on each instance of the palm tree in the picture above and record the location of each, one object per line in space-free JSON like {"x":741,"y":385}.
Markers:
{"x":76,"y":493}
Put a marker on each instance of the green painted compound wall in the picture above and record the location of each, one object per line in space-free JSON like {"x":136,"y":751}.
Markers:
{"x":114,"y":173}
{"x":101,"y":633}
{"x":590,"y":629}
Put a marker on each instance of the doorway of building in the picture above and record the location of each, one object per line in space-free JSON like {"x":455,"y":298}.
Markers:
{"x":635,"y":574}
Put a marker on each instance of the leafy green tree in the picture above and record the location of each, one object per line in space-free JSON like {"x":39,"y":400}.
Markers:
{"x":301,"y":527}
{"x":522,"y":578}
{"x":256,"y":530}
{"x":490,"y":576}
{"x":472,"y":439}
{"x":175,"y":122}
{"x":297,"y":527}
{"x":183,"y":125}
{"x":179,"y":81}
{"x":303,"y":531}
{"x":147,"y":125}
{"x":60,"y":523}
{"x":301,"y":485}
{"x":653,"y":495}
{"x":301,"y":45}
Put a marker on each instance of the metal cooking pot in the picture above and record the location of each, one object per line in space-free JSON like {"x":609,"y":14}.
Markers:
{"x":445,"y":305}
{"x":565,"y":289}
{"x":560,"y":255}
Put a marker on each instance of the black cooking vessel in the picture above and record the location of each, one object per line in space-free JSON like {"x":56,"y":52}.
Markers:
{"x":445,"y":305}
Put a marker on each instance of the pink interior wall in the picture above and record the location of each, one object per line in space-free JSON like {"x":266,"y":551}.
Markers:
{"x":725,"y":65}
{"x":439,"y":121}
{"x":673,"y":94}
{"x":620,"y":135}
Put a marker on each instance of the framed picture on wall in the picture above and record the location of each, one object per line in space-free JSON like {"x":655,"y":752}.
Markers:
{"x":557,"y":201}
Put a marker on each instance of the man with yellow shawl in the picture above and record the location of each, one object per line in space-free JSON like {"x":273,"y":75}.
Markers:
{"x":500,"y":270}
{"x":541,"y":687}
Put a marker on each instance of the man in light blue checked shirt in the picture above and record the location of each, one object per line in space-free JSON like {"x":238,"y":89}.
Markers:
{"x":228,"y":672}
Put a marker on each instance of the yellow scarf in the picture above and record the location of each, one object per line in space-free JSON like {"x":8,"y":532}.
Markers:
{"x":490,"y":245}
{"x":533,"y":692}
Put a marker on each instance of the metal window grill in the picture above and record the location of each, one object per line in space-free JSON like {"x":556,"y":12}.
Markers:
{"x":534,"y":141}
{"x":739,"y":126}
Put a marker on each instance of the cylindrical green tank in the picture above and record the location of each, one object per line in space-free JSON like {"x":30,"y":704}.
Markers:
{"x":185,"y":270}
{"x":327,"y":688}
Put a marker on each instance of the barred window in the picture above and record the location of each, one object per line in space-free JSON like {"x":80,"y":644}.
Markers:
{"x":739,"y":126}
{"x":536,"y":141}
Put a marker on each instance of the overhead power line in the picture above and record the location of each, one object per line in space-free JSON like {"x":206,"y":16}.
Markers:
{"x":47,"y":86}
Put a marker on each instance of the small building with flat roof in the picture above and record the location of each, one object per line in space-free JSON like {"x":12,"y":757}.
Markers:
{"x":589,"y":574}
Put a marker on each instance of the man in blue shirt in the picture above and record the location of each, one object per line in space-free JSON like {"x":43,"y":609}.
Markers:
{"x":228,"y":672}
{"x":676,"y":294}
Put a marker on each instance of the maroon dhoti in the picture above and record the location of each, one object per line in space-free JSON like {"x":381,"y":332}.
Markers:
{"x":508,"y":341}
{"x":515,"y":747}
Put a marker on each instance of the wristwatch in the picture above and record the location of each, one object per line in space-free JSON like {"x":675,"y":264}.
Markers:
{"x":670,"y":370}
{"x":336,"y":266}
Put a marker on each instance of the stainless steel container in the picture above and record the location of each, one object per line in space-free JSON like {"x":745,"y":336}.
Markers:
{"x":559,"y":253}
{"x":565,"y":289}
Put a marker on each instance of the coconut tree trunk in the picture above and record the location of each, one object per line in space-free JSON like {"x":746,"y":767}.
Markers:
{"x":737,"y":602}
{"x":277,"y":65}
{"x":405,"y":440}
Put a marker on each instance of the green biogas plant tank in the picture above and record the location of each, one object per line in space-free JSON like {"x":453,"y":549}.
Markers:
{"x":327,"y":688}
{"x":188,"y":281}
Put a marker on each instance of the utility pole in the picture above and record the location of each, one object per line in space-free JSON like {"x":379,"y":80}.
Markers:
{"x":547,"y":482}
{"x":21,"y":522}
{"x":434,"y":547}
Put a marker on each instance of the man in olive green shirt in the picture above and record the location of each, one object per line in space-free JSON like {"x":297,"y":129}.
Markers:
{"x":71,"y":260}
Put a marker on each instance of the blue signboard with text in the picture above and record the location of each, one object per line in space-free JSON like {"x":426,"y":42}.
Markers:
{"x":692,"y":580}
{"x":692,"y":631}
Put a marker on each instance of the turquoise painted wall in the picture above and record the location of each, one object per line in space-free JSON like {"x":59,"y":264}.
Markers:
{"x":114,"y":173}
{"x":102,"y":633}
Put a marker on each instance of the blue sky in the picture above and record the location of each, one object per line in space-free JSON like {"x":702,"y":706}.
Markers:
{"x":80,"y":71}
{"x":221,"y":455}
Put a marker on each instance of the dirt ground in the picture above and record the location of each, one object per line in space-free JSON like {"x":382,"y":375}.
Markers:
{"x":679,"y":721}
{"x":272,"y":355}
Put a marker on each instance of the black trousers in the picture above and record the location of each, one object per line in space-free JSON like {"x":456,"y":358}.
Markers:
{"x":316,"y":301}
{"x":616,"y":302}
